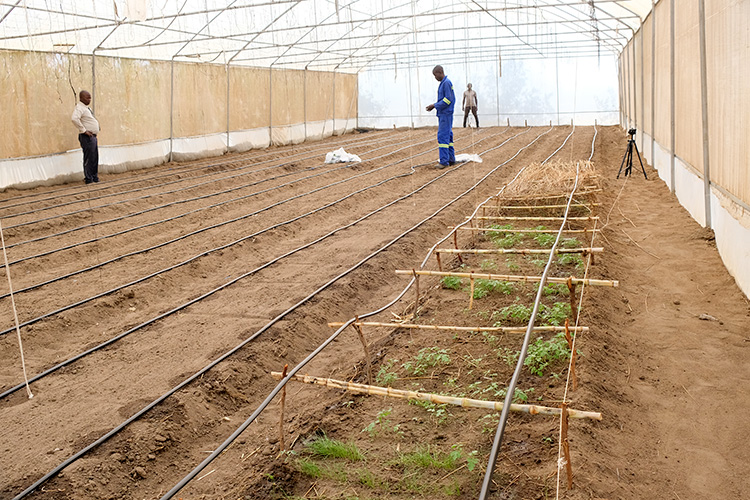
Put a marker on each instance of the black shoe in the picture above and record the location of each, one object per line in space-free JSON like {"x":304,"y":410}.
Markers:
{"x":88,"y":181}
{"x":96,"y":180}
{"x":451,"y":163}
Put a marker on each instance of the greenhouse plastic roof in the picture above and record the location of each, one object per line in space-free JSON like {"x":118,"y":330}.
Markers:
{"x":343,"y":35}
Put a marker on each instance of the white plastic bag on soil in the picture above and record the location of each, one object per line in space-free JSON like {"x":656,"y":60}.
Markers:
{"x":341,"y":156}
{"x":468,"y":157}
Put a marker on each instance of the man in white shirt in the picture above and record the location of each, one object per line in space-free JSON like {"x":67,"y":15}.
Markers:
{"x":88,"y":129}
{"x":470,"y":104}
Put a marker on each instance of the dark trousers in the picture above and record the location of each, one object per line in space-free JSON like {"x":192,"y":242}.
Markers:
{"x":473,"y":109}
{"x":90,"y":157}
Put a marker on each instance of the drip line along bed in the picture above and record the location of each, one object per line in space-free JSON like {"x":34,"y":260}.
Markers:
{"x":114,"y":383}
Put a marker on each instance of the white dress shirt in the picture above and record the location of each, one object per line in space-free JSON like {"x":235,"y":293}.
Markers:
{"x":84,"y":120}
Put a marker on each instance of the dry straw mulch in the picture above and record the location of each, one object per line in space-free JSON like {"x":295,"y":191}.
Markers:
{"x":552,"y":178}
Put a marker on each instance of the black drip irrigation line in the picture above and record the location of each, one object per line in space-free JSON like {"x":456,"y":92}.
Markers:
{"x":211,"y":292}
{"x":499,"y":433}
{"x":187,"y":200}
{"x":220,"y":449}
{"x":193,"y":233}
{"x":138,"y":198}
{"x":278,"y":318}
{"x":191,"y":167}
{"x":199,"y":209}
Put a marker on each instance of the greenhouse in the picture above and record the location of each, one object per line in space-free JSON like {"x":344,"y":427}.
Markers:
{"x":356,"y":249}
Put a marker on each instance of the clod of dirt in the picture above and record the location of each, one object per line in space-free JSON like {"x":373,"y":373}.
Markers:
{"x":160,"y":438}
{"x":139,"y":472}
{"x":118,"y":457}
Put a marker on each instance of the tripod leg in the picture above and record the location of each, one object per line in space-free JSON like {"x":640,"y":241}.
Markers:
{"x":622,"y":163}
{"x":641,"y":161}
{"x":629,"y":166}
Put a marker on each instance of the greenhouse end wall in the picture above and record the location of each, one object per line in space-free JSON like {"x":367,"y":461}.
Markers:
{"x":151,"y":110}
{"x":647,"y":95}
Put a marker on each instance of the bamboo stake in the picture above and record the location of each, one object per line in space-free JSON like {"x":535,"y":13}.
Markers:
{"x":450,"y":328}
{"x":510,"y":217}
{"x":471,"y":293}
{"x":550,"y":231}
{"x":437,"y":398}
{"x":357,"y":326}
{"x":566,"y":444}
{"x":508,"y":277}
{"x":584,"y":251}
{"x":281,"y":416}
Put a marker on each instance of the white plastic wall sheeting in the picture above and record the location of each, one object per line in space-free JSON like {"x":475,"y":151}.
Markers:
{"x":730,"y":221}
{"x":245,"y":140}
{"x":192,"y":148}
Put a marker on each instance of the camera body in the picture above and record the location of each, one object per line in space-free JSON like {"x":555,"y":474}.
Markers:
{"x":631,"y":132}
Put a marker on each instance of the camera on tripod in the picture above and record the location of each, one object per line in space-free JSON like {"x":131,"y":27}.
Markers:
{"x":627,"y":160}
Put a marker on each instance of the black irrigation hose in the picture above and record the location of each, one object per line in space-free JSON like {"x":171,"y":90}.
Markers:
{"x":195,"y":257}
{"x":177,"y":170}
{"x":199,"y":209}
{"x":184,"y":200}
{"x":220,"y":449}
{"x":498,"y":439}
{"x":192,"y":233}
{"x":161,"y":193}
{"x":278,"y":318}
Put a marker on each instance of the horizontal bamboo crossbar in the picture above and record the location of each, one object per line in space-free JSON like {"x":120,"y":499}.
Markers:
{"x":508,"y":277}
{"x":549,"y":231}
{"x":520,"y":250}
{"x":450,"y":328}
{"x":537,"y":207}
{"x":436,"y":398}
{"x":510,"y":217}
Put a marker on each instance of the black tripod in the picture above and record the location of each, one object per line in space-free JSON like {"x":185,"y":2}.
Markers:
{"x":627,"y":160}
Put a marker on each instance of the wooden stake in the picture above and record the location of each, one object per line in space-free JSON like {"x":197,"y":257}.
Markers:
{"x":416,"y":300}
{"x":437,"y":398}
{"x":361,"y":336}
{"x":572,"y":290}
{"x":567,"y":334}
{"x":471,"y":293}
{"x":566,"y":444}
{"x":455,"y":245}
{"x":573,"y":378}
{"x":508,"y":277}
{"x":440,"y":266}
{"x":281,"y":416}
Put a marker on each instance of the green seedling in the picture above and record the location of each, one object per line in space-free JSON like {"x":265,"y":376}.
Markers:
{"x":567,"y":259}
{"x":545,"y":240}
{"x":428,"y":357}
{"x":385,"y":377}
{"x":542,"y":353}
{"x":451,"y":282}
{"x":514,"y":313}
{"x":570,"y":243}
{"x":439,"y":412}
{"x":488,"y":265}
{"x":555,"y":315}
{"x":382,"y":423}
{"x":482,"y":287}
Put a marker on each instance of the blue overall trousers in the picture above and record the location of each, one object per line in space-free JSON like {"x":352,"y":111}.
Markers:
{"x":444,"y":106}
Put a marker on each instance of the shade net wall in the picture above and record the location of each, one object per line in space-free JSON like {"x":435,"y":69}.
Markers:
{"x":724,"y":204}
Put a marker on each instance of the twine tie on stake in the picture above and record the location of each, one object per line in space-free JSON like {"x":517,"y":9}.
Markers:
{"x":15,"y":313}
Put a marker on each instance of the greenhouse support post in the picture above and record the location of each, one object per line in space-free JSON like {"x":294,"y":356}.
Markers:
{"x":653,"y":79}
{"x":634,"y":96}
{"x":643,"y":96}
{"x":270,"y":106}
{"x":171,"y":109}
{"x":704,"y":111}
{"x":227,"y":100}
{"x":671,"y":98}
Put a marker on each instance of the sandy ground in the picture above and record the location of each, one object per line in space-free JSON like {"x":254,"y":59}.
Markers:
{"x":669,"y":384}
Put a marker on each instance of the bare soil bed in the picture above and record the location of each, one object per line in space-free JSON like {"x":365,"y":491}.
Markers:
{"x":669,"y":384}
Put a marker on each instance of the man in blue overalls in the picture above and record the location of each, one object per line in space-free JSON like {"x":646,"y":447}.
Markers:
{"x":444,"y":106}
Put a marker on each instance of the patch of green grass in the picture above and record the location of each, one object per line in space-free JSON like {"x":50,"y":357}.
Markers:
{"x":330,"y":448}
{"x":542,"y":353}
{"x":567,"y":259}
{"x":570,"y":243}
{"x":426,"y":457}
{"x":368,"y":479}
{"x":309,"y":468}
{"x":545,"y":240}
{"x":385,"y":376}
{"x":428,"y":357}
{"x":488,"y":265}
{"x":515,"y":313}
{"x":482,"y":287}
{"x":451,"y":282}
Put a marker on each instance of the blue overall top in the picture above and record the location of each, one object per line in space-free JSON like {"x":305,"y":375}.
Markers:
{"x":446,"y":98}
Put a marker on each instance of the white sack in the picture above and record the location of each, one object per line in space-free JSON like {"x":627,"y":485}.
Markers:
{"x":468,"y":157}
{"x":341,"y":156}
